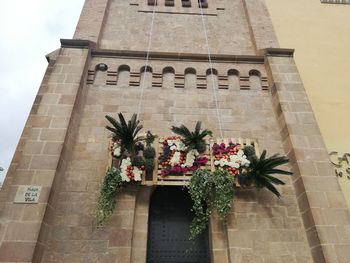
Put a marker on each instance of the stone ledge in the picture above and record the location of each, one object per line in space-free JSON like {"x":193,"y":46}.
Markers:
{"x":77,"y":43}
{"x":277,"y":52}
{"x":253,"y":59}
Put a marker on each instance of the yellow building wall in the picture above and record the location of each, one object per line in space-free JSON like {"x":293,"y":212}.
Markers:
{"x":320,"y":35}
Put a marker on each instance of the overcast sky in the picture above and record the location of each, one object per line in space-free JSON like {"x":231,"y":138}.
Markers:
{"x":28,"y":31}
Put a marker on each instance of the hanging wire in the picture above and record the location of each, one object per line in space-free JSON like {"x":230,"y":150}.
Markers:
{"x":211,"y":71}
{"x":147,"y":58}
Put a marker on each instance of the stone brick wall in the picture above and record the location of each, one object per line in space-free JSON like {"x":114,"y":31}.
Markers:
{"x":38,"y":155}
{"x":260,"y":226}
{"x":260,"y":96}
{"x":173,"y":32}
{"x":324,"y":211}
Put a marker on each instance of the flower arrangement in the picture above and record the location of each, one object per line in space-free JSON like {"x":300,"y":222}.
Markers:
{"x":177,"y":159}
{"x":235,"y":166}
{"x":130,"y":158}
{"x":129,"y":172}
{"x":247,"y":169}
{"x":230,"y":157}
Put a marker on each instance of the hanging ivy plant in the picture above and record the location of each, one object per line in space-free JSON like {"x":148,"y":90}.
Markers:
{"x":107,"y":199}
{"x":130,"y":159}
{"x":209,"y":190}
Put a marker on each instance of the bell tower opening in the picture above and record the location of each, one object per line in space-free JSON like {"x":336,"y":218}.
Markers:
{"x":170,"y":217}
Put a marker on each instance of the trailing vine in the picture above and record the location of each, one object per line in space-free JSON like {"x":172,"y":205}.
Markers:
{"x":209,"y":190}
{"x":107,"y":199}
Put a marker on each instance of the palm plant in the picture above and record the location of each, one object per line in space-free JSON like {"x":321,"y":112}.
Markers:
{"x":193,"y":140}
{"x":126,"y":132}
{"x":260,"y":172}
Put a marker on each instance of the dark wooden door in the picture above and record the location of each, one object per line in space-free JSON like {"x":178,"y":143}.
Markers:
{"x":169,"y":222}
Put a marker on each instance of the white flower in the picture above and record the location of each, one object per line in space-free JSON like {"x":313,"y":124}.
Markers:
{"x":123,"y":167}
{"x":125,"y":178}
{"x":235,"y":161}
{"x":175,"y":159}
{"x":116,"y":149}
{"x":137,"y":174}
{"x":180,"y":145}
{"x":190,"y":158}
{"x":240,"y":153}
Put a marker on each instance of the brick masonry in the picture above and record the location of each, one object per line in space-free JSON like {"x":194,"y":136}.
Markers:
{"x":63,"y":147}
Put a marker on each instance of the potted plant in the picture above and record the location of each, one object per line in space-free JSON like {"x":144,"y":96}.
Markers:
{"x":132,"y":159}
{"x":183,"y":154}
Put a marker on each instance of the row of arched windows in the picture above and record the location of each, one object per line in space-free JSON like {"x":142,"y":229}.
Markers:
{"x":168,"y":78}
{"x":184,"y":3}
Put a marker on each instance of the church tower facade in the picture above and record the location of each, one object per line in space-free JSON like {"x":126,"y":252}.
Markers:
{"x":173,"y":62}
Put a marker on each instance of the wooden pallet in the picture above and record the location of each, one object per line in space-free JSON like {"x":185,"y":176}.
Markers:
{"x":183,"y":180}
{"x":158,"y":179}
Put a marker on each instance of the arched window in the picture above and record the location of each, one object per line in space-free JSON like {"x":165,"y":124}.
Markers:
{"x":212,"y":78}
{"x":169,"y":2}
{"x":255,"y":79}
{"x":146,"y":76}
{"x":169,"y":222}
{"x":168,"y":75}
{"x":190,"y":78}
{"x":100,"y":74}
{"x":186,"y":3}
{"x":203,"y":3}
{"x":123,"y":76}
{"x":233,"y":79}
{"x":152,"y":2}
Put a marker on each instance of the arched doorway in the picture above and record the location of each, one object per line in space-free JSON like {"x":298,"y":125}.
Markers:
{"x":169,"y":221}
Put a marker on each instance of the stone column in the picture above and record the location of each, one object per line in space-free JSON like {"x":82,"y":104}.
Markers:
{"x":91,"y":20}
{"x":321,"y":202}
{"x":38,"y":154}
{"x":260,"y":24}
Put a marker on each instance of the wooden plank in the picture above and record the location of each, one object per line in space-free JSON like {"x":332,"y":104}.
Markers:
{"x":147,"y":183}
{"x":110,"y":157}
{"x":225,"y":141}
{"x":212,"y":167}
{"x":172,"y":183}
{"x":256,"y":146}
{"x":156,"y":145}
{"x":176,"y":177}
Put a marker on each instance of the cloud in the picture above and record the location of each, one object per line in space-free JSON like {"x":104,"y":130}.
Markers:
{"x":28,"y":31}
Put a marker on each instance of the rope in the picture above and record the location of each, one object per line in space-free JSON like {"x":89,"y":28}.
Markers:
{"x":211,"y":71}
{"x":147,"y":58}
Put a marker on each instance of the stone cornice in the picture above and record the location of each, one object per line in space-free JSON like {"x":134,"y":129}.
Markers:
{"x":77,"y":43}
{"x":278,"y":52}
{"x":219,"y":58}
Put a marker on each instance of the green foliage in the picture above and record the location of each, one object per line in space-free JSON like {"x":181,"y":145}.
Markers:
{"x":126,"y":132}
{"x":209,"y":190}
{"x":249,"y":151}
{"x":149,"y":152}
{"x":149,"y":166}
{"x":107,"y":199}
{"x":150,"y":138}
{"x":194,"y":140}
{"x":260,"y":172}
{"x":138,"y":161}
